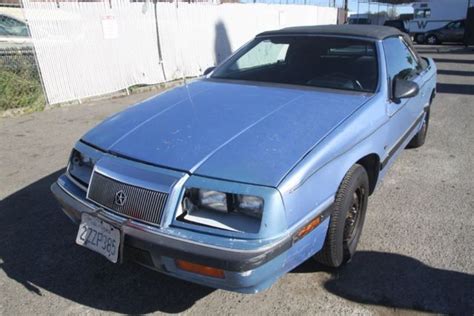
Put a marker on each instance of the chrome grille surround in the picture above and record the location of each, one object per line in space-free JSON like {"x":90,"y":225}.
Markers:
{"x":141,"y":204}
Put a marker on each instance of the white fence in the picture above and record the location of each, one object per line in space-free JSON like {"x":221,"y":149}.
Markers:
{"x":91,"y":48}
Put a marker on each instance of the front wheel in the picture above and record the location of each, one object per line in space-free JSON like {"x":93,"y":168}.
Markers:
{"x":432,"y":39}
{"x":347,"y":219}
{"x":419,"y":139}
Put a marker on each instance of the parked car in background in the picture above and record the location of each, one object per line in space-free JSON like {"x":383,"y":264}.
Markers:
{"x":355,"y":20}
{"x":432,"y":15}
{"x":398,"y":24}
{"x":13,"y":32}
{"x":268,"y":160}
{"x":367,"y":18}
{"x":451,"y":32}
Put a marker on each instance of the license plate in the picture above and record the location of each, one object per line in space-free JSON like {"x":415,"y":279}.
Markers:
{"x":99,"y":236}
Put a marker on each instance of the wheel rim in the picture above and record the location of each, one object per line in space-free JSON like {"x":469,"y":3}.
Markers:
{"x":431,"y":40}
{"x":354,"y":215}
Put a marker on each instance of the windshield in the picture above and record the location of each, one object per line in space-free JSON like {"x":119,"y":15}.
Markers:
{"x":316,"y":61}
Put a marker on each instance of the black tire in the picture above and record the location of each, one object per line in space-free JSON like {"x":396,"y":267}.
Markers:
{"x":420,"y":38}
{"x":432,"y":40}
{"x":419,"y":139}
{"x":342,"y":237}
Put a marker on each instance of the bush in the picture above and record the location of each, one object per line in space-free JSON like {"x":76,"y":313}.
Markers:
{"x":20,"y":85}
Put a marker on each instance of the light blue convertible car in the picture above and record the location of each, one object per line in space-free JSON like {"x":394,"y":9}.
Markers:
{"x":268,"y":160}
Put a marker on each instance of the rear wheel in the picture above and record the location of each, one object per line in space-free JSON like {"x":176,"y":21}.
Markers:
{"x":420,"y":38}
{"x":347,"y":219}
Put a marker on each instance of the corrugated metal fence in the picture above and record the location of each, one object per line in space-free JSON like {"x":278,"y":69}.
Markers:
{"x":86,"y":49}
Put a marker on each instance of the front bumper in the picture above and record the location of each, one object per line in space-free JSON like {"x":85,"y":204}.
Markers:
{"x":246,"y":270}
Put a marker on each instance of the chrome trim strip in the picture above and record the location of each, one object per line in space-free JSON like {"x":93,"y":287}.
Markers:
{"x":400,"y":141}
{"x":80,"y":185}
{"x":84,"y":202}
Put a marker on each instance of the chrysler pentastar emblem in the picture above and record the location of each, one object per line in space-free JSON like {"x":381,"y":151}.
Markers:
{"x":120,"y":198}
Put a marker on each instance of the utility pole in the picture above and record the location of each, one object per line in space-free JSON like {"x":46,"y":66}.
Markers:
{"x":378,"y":13}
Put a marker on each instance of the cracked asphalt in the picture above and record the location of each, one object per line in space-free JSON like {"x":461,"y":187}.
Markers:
{"x":416,"y":253}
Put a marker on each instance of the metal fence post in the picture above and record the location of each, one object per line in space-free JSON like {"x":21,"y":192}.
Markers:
{"x":160,"y":55}
{"x":40,"y":75}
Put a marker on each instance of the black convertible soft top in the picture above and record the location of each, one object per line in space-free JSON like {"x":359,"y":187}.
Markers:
{"x":376,"y":32}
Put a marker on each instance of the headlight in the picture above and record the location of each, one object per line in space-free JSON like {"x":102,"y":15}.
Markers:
{"x":80,"y":167}
{"x":248,"y":205}
{"x":213,"y":200}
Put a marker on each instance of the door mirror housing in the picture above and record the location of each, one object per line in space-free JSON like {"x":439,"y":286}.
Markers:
{"x":208,"y":71}
{"x":403,"y":89}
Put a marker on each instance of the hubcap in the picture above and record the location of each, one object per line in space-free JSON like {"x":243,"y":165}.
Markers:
{"x":431,"y":40}
{"x":353,"y":215}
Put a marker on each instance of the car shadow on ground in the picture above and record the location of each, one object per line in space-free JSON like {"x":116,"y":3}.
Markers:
{"x":454,"y":88}
{"x":456,"y":73}
{"x":37,"y":250}
{"x":454,"y":60}
{"x":398,"y":281}
{"x":441,"y":49}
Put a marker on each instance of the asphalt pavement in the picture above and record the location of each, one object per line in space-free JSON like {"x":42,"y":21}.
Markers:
{"x":416,"y":253}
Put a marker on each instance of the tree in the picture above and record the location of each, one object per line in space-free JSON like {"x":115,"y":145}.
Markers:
{"x":392,"y":13}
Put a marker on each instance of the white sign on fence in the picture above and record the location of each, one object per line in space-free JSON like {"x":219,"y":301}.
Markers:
{"x":91,"y":48}
{"x":109,"y":27}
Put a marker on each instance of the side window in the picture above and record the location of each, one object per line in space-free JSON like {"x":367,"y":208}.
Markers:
{"x":454,"y":25}
{"x":422,"y":13}
{"x":12,"y":27}
{"x":400,"y":60}
{"x":4,"y":31}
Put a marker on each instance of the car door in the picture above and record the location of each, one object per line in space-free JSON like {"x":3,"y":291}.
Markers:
{"x":453,"y":32}
{"x":460,"y":32}
{"x":403,"y":114}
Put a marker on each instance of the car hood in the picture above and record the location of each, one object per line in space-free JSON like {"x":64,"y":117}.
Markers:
{"x":241,"y":132}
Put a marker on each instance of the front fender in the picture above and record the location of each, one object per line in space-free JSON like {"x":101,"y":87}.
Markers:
{"x":317,"y":176}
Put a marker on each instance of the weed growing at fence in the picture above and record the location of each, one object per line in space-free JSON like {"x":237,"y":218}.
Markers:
{"x":20,"y":84}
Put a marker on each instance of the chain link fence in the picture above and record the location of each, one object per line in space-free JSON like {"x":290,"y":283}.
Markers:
{"x":20,"y":80}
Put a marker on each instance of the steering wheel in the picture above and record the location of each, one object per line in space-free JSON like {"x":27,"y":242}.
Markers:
{"x":355,"y":83}
{"x":339,"y":77}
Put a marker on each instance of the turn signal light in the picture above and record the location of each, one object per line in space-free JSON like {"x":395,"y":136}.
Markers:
{"x":307,"y":229}
{"x":200,"y":269}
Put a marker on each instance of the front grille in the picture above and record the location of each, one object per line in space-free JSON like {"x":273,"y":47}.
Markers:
{"x":138,"y":203}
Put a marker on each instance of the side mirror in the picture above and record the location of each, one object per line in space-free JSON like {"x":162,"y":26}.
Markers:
{"x":208,"y":71}
{"x":403,"y":89}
